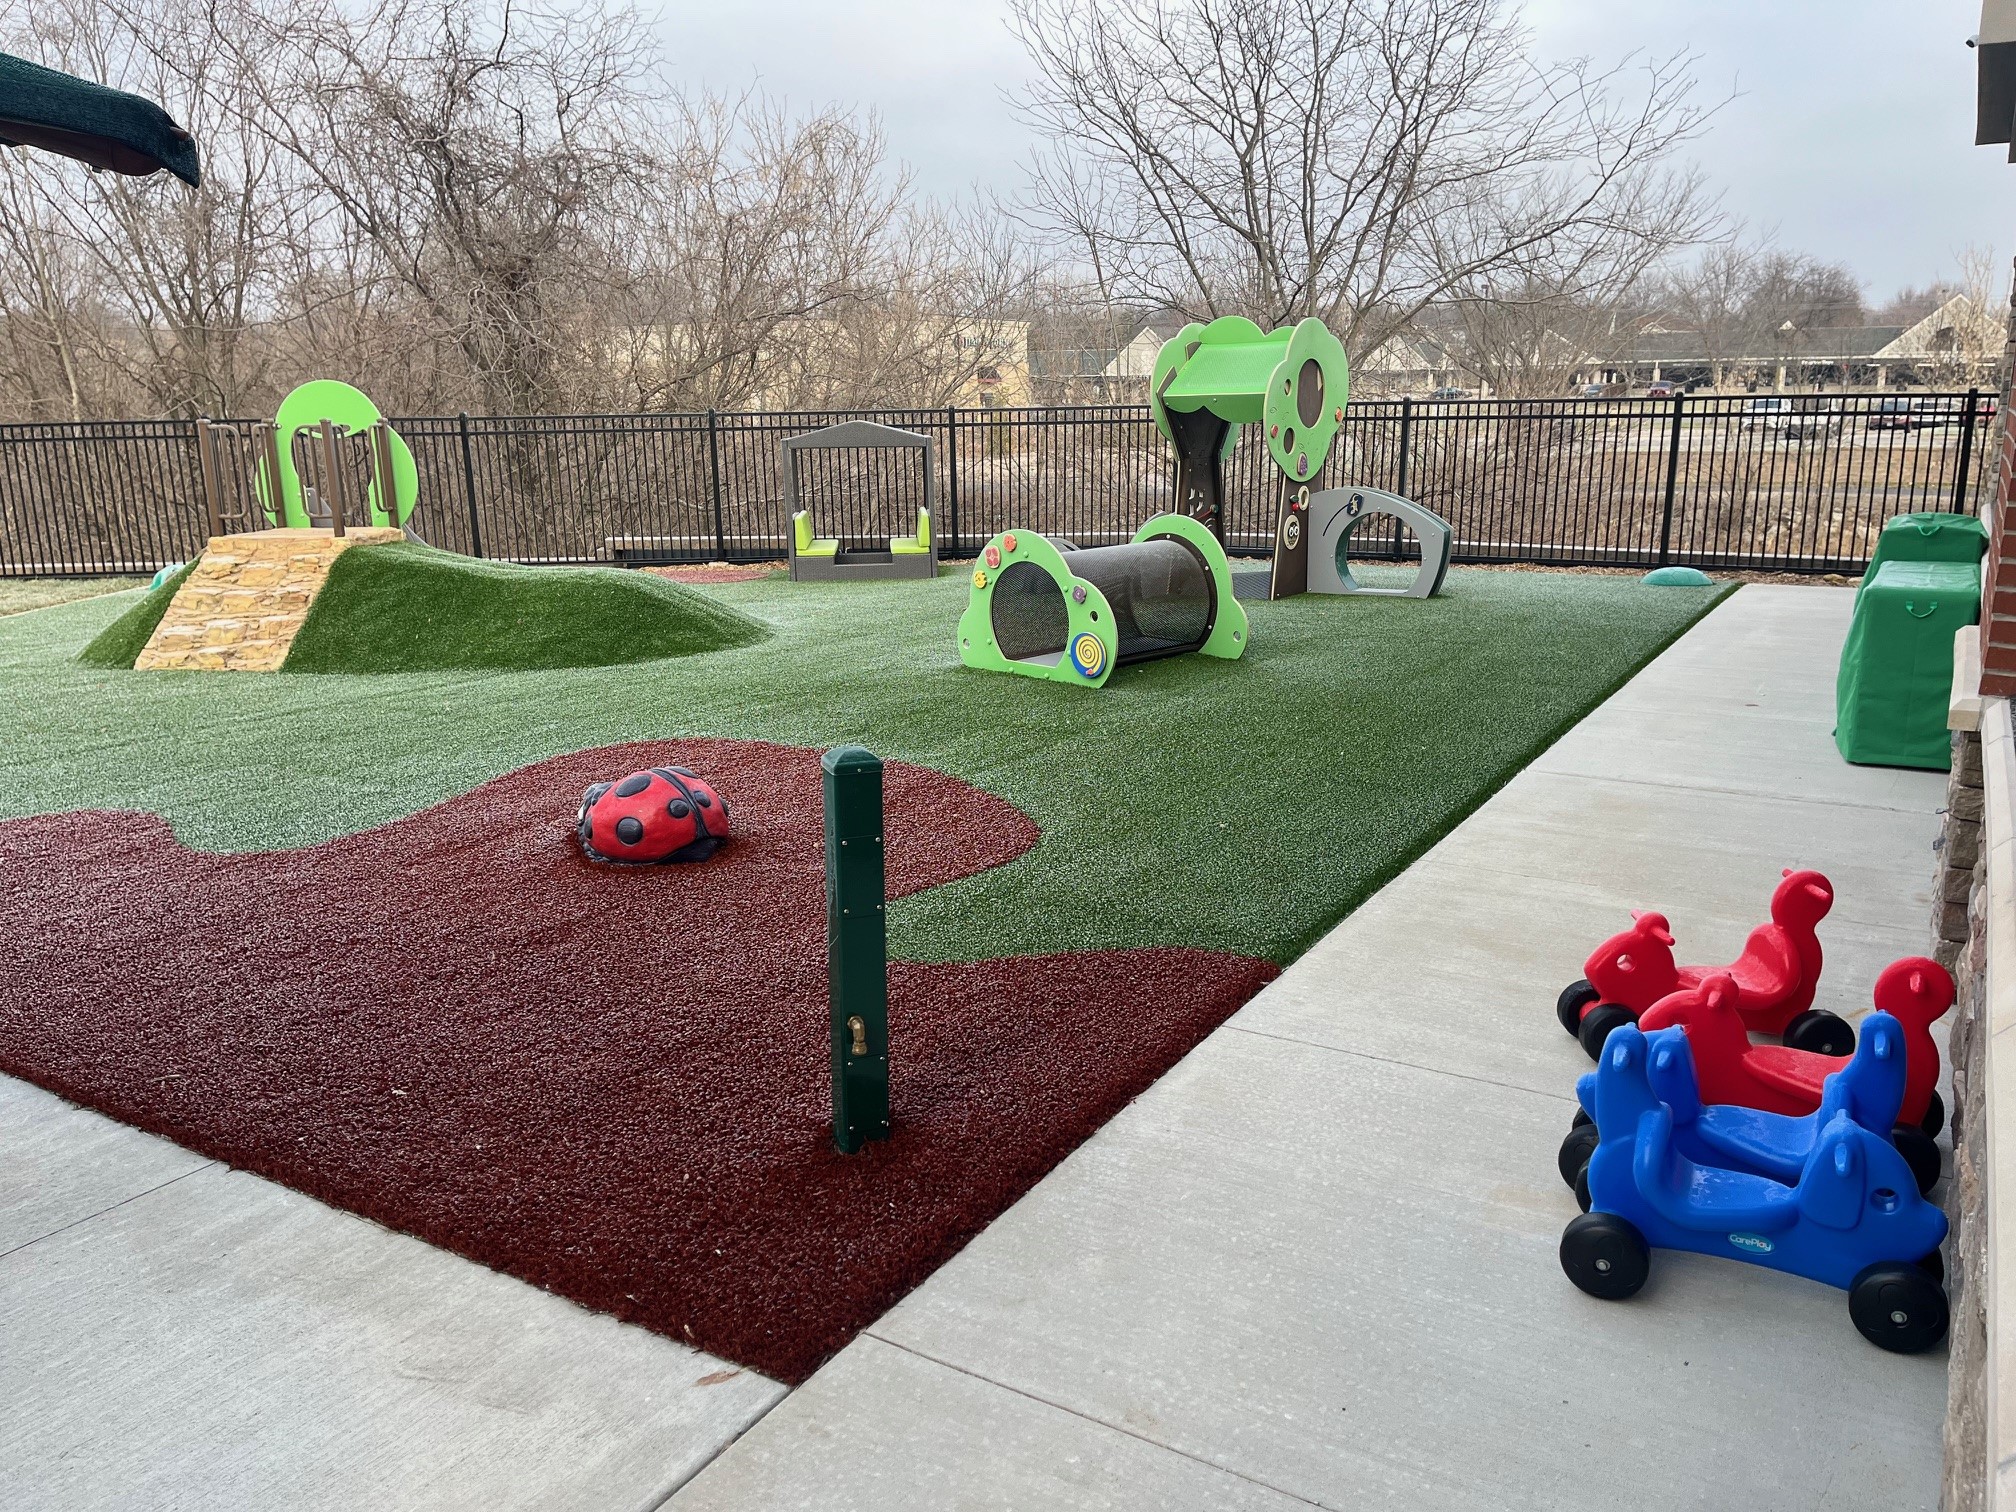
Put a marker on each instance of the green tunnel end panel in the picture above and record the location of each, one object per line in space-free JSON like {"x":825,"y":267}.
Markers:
{"x":1081,"y":646}
{"x":1230,"y":629}
{"x":1086,"y":658}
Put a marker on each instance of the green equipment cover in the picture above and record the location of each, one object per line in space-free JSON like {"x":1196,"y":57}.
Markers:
{"x":1896,"y":672}
{"x":1928,"y":538}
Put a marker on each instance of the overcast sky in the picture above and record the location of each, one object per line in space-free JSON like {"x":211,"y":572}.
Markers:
{"x":1852,"y":137}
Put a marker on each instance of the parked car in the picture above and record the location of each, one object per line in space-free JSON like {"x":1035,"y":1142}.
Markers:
{"x":1949,"y":411}
{"x":1765,"y":412}
{"x":1660,"y":390}
{"x":1450,"y":393}
{"x":1816,"y":424}
{"x":1791,"y":419}
{"x":1894,"y":414}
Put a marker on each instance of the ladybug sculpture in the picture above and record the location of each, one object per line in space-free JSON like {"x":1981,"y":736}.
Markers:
{"x":663,"y":814}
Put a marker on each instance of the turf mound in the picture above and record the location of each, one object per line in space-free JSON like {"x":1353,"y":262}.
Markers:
{"x":610,"y":1081}
{"x":410,"y":608}
{"x":124,"y":639}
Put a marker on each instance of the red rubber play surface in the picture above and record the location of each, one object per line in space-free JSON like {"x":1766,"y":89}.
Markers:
{"x":610,"y":1081}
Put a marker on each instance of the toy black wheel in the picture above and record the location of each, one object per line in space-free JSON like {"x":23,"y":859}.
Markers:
{"x":1934,"y":1265}
{"x":1597,"y":1024}
{"x":1574,"y":998}
{"x":1920,"y":1153}
{"x":1575,"y":1151}
{"x":1607,"y":1257}
{"x":1821,"y":1032}
{"x":1935,"y":1116}
{"x":1897,"y":1306}
{"x":1581,"y":1119}
{"x":1582,"y":1197}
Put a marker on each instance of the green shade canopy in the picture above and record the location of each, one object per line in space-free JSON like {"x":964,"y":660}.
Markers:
{"x":106,"y":128}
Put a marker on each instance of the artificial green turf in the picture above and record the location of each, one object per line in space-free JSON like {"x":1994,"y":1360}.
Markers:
{"x":126,"y":637}
{"x":19,"y":595}
{"x":1243,"y":805}
{"x":410,"y":608}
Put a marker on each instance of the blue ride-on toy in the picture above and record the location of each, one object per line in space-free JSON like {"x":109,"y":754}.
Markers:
{"x":1854,"y":1219}
{"x":1869,"y":1088}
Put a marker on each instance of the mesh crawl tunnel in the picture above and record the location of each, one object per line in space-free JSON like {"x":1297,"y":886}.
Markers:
{"x":1044,"y":608}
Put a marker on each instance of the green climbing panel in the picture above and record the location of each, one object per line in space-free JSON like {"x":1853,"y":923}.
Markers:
{"x":348,"y":409}
{"x":1896,"y":672}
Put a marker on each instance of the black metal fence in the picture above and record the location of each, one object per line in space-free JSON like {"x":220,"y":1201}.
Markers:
{"x":1795,"y":483}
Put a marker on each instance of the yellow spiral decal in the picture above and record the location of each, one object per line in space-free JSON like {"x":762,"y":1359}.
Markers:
{"x":1088,"y":654}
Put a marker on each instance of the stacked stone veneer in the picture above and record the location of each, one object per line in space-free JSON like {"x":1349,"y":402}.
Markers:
{"x":1960,"y":943}
{"x":1958,"y":852}
{"x":241,"y":608}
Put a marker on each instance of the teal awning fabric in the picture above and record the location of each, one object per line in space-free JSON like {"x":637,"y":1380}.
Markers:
{"x":106,"y":128}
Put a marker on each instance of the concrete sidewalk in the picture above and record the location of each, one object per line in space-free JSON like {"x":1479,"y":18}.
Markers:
{"x":1315,"y":1265}
{"x":176,"y":1334}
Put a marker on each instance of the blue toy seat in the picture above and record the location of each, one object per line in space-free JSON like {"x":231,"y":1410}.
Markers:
{"x":1698,"y":1196}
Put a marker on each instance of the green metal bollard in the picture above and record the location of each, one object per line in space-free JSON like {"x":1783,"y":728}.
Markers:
{"x":857,"y":959}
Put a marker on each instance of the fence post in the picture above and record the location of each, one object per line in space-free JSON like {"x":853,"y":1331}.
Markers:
{"x":1406,"y":441}
{"x":857,"y":966}
{"x":1966,"y":453}
{"x":714,"y":473}
{"x":469,"y":489}
{"x":952,"y":479}
{"x":1672,"y":479}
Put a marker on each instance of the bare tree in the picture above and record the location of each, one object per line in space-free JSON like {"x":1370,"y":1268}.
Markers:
{"x":1355,"y":160}
{"x":171,"y":286}
{"x":1740,"y":294}
{"x":461,"y":203}
{"x":475,"y":151}
{"x":1712,"y":296}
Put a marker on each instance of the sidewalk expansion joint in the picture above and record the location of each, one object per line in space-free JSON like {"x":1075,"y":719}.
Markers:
{"x":1755,"y":794}
{"x":208,"y":1165}
{"x":1086,"y":1417}
{"x":678,"y":1483}
{"x":1388,"y":1060}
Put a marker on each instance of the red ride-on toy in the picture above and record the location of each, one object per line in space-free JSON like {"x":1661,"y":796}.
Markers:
{"x":1776,"y":975}
{"x":1780,"y":1079}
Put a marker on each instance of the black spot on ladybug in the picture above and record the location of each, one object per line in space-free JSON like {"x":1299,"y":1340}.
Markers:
{"x":678,"y":808}
{"x":682,"y":771}
{"x":629,"y":830}
{"x":703,"y":800}
{"x":632,"y":785}
{"x":594,"y":793}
